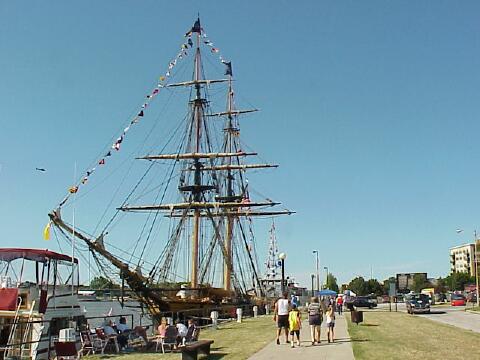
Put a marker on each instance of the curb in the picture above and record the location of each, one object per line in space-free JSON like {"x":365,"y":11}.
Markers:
{"x":472,"y":312}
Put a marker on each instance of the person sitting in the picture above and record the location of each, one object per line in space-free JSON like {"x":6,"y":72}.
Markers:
{"x":171,"y":336}
{"x":162,"y":328}
{"x":122,"y":325}
{"x":192,"y":332}
{"x":108,"y":328}
{"x":108,"y":334}
{"x":110,"y":331}
{"x":182,"y":331}
{"x":123,"y":330}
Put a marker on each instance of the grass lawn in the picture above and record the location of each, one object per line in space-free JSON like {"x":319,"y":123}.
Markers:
{"x":390,"y":335}
{"x":233,"y":341}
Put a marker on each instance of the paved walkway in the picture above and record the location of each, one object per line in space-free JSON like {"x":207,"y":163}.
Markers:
{"x":341,"y":349}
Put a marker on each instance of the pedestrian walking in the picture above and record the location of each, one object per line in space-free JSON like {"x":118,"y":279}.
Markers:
{"x":340,"y":304}
{"x":294,"y":300}
{"x":295,"y":324}
{"x":315,"y":318}
{"x":330,"y":323}
{"x":282,"y":307}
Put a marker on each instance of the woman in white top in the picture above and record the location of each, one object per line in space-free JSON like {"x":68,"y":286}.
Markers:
{"x":330,"y":323}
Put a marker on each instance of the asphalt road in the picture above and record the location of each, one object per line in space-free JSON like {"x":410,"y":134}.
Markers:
{"x":452,"y":315}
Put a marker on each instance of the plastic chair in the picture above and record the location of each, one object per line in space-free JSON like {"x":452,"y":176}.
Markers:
{"x":105,"y":340}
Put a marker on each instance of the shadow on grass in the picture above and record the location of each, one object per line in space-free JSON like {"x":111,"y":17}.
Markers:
{"x":363,"y":324}
{"x":215,"y":356}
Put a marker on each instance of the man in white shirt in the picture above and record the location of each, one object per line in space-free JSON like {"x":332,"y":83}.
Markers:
{"x":182,"y":331}
{"x":282,"y":307}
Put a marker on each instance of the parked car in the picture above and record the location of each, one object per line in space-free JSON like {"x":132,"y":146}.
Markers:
{"x":457,"y":300}
{"x":361,"y":301}
{"x":418,"y":303}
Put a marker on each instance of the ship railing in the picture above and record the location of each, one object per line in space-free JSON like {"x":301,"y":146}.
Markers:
{"x":206,"y":320}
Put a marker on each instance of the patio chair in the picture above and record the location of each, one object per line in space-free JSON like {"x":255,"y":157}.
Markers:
{"x":170,"y":339}
{"x":106,"y":339}
{"x":87,"y":343}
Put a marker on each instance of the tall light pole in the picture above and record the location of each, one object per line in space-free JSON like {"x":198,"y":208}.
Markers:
{"x":318,"y":271}
{"x":475,"y":262}
{"x":313,"y":277}
{"x":326,"y":278}
{"x":282,"y":257}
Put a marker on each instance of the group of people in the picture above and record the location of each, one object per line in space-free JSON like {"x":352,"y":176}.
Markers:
{"x":122,"y":331}
{"x":175,"y":334}
{"x":288,"y":317}
{"x":178,"y":333}
{"x":316,"y":310}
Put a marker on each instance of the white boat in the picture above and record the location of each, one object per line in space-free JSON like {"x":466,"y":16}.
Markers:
{"x":38,"y":298}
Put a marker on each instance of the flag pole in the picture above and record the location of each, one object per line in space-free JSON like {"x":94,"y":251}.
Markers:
{"x":73,"y":231}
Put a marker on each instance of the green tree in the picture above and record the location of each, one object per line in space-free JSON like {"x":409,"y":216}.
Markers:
{"x":101,"y":282}
{"x":332,"y":282}
{"x":358,"y":286}
{"x":419,"y":283}
{"x":441,"y":286}
{"x":374,"y":287}
{"x":458,"y":280}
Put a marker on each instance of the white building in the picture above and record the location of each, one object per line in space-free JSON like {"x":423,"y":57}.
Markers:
{"x":462,"y":259}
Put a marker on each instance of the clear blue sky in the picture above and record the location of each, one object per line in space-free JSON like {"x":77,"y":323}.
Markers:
{"x":370,"y":107}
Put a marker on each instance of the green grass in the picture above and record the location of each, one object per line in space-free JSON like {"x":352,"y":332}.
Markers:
{"x":233,"y":341}
{"x":391,"y":335}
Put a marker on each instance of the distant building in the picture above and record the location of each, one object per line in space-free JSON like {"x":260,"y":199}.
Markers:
{"x":462,"y":259}
{"x":405,"y":281}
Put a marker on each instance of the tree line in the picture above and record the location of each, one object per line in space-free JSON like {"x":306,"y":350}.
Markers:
{"x":453,"y":282}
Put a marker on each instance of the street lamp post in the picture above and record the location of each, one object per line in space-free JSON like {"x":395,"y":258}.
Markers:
{"x":318,"y":271}
{"x":326,"y":278}
{"x":475,"y":262}
{"x":313,"y":277}
{"x":282,"y":257}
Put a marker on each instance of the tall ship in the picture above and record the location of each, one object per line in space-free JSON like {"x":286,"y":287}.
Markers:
{"x":180,"y":232}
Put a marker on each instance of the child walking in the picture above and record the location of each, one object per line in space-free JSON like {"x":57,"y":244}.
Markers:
{"x":330,"y":323}
{"x":295,"y":324}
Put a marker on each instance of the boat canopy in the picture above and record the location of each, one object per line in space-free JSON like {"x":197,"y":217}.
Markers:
{"x":40,"y":255}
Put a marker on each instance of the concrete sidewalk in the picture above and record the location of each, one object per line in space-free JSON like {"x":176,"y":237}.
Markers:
{"x":341,"y":349}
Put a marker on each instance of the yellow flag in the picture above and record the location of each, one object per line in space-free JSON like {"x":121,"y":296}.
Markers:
{"x":46,"y":231}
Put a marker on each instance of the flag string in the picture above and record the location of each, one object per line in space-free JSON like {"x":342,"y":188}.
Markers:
{"x":162,"y":82}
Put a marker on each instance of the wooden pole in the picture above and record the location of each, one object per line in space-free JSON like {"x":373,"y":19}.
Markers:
{"x":227,"y":273}
{"x":195,"y":235}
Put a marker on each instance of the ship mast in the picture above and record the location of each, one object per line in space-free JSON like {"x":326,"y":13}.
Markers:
{"x":203,"y":197}
{"x":227,"y":274}
{"x":198,"y":116}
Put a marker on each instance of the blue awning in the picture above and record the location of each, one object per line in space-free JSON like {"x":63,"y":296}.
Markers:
{"x":326,"y":292}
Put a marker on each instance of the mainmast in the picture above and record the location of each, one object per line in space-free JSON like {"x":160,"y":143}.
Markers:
{"x":227,"y":274}
{"x":197,"y":193}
